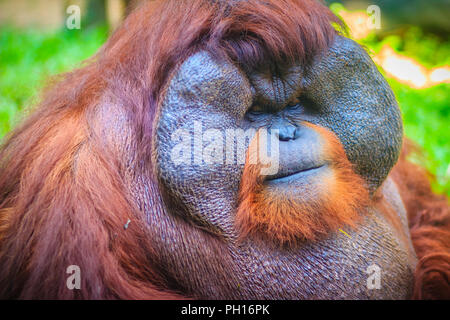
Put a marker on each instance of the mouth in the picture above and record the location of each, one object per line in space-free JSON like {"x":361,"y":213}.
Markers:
{"x":293,"y":175}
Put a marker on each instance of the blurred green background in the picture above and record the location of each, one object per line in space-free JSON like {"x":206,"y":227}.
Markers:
{"x":30,"y":55}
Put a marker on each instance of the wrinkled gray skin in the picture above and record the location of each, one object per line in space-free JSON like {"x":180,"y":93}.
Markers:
{"x":196,"y":239}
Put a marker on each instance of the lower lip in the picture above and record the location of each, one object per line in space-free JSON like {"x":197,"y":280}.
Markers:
{"x":297,"y":175}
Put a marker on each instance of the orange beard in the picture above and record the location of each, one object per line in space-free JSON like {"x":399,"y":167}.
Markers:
{"x":287,"y":219}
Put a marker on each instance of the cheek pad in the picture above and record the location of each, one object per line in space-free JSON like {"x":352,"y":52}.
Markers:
{"x":358,"y":105}
{"x":203,"y":100}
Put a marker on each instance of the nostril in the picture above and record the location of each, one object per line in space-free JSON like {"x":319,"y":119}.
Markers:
{"x":287,"y":133}
{"x":297,"y":133}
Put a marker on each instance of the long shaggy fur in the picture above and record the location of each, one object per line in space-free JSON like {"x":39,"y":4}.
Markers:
{"x":429,"y":222}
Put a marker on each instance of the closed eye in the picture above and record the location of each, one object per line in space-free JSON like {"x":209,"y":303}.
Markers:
{"x":293,"y":104}
{"x":257,"y":113}
{"x":293,"y":107}
{"x":256,"y":109}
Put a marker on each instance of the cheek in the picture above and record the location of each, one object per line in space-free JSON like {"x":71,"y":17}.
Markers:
{"x":197,"y":168}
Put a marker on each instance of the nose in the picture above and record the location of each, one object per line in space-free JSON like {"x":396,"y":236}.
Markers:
{"x":286,"y":131}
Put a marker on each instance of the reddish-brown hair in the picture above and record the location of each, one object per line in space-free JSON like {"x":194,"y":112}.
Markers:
{"x":284,"y":220}
{"x":429,"y":223}
{"x":63,"y":196}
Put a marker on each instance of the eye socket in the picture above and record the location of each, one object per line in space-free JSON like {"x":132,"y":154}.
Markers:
{"x":256,"y":113}
{"x":256,"y":110}
{"x":293,"y":104}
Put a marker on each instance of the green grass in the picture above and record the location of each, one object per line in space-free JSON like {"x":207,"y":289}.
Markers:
{"x":426,"y":116}
{"x":426,"y":112}
{"x":28,"y":58}
{"x":428,"y":49}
